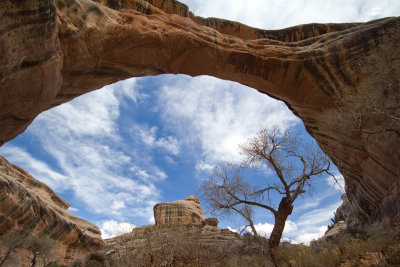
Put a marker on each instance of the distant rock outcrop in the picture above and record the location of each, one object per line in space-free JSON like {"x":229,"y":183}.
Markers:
{"x":54,"y":51}
{"x":29,"y":206}
{"x":337,"y":228}
{"x":179,"y":225}
{"x":179,"y":212}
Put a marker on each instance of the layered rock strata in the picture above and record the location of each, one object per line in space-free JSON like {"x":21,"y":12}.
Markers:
{"x":180,"y":212}
{"x":207,"y":236}
{"x":52,"y":51}
{"x":27,"y":205}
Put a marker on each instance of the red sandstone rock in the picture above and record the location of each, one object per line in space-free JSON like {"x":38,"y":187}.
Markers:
{"x":53,"y":51}
{"x":27,"y":204}
{"x":180,"y":212}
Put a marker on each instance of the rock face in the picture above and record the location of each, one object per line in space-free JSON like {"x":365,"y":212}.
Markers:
{"x":52,"y":51}
{"x":338,"y":227}
{"x":29,"y":205}
{"x":345,"y":212}
{"x":180,"y":212}
{"x":210,"y":236}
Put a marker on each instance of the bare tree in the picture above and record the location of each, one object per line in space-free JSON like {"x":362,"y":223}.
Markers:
{"x":292,"y":164}
{"x":11,"y":243}
{"x":40,"y":246}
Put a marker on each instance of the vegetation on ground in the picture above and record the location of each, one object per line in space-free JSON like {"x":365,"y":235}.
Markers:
{"x":371,"y":247}
{"x":39,"y":249}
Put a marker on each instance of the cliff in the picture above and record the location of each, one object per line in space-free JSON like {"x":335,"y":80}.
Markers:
{"x":52,"y":51}
{"x":30,"y":210}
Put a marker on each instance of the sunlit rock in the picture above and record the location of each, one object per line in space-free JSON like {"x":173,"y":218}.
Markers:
{"x":30,"y":210}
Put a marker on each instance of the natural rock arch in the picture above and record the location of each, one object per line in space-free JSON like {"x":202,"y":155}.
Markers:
{"x":52,"y":51}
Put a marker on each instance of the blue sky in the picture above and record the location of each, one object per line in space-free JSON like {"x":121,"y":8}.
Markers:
{"x":115,"y":152}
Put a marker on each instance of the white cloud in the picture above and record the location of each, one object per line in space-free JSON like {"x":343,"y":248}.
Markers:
{"x":112,"y":228}
{"x":276,"y":14}
{"x":313,"y":224}
{"x":337,"y":182}
{"x":149,"y":175}
{"x":202,"y":166}
{"x":303,"y":204}
{"x":118,"y":204}
{"x":307,"y":237}
{"x":71,"y":209}
{"x":232,"y":229}
{"x":37,"y":168}
{"x":129,"y":90}
{"x":89,"y":115}
{"x":90,"y":158}
{"x":149,"y":137}
{"x":265,"y":229}
{"x":218,"y":115}
{"x":317,"y":216}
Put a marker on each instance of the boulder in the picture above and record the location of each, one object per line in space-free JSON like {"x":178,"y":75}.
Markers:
{"x":211,"y":222}
{"x":337,"y":228}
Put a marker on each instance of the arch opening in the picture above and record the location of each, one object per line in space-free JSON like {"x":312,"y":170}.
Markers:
{"x":115,"y":152}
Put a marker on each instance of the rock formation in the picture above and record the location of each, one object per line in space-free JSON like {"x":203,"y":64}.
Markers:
{"x":52,"y":51}
{"x":27,"y":205}
{"x":180,"y":212}
{"x":337,"y":228}
{"x":180,"y":225}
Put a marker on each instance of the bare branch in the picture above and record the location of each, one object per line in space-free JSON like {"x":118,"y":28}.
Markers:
{"x":293,"y":167}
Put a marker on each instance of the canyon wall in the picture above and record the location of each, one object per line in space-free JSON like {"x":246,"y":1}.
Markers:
{"x":52,"y":51}
{"x":30,"y":210}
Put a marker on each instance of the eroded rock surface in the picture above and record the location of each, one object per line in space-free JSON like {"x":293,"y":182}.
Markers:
{"x":53,"y":51}
{"x":28,"y":205}
{"x":180,"y":212}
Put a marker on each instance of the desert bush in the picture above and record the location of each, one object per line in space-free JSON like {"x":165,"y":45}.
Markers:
{"x":302,"y":255}
{"x":373,"y":246}
{"x":184,"y":246}
{"x":39,"y":246}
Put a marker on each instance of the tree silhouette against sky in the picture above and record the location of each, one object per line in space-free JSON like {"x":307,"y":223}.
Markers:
{"x":292,"y":163}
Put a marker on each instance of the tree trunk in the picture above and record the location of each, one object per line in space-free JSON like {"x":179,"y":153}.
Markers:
{"x":284,"y":210}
